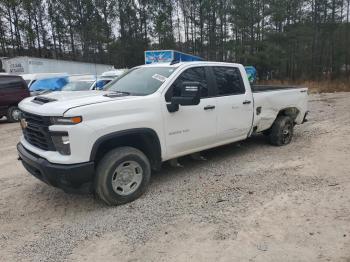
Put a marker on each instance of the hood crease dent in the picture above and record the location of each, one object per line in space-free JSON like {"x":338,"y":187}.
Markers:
{"x":61,"y":102}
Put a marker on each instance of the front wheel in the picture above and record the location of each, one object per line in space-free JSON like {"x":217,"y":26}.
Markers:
{"x":281,"y":132}
{"x":13,"y":114}
{"x":122,"y":176}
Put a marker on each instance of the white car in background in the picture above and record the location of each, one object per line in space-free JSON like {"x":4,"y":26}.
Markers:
{"x":114,"y":73}
{"x":85,"y":83}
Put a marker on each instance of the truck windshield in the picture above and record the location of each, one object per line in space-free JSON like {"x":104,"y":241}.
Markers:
{"x":141,"y":81}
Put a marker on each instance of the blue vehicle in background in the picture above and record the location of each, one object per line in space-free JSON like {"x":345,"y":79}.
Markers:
{"x":168,"y":56}
{"x":51,"y":84}
{"x":251,"y":73}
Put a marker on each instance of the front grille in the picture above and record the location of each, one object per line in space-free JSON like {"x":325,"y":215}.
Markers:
{"x":37,"y":131}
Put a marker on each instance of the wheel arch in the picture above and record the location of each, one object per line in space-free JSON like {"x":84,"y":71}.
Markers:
{"x":12,"y":105}
{"x":144,"y":139}
{"x":292,"y":111}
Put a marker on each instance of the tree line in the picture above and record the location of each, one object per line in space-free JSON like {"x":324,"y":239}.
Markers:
{"x":286,"y":39}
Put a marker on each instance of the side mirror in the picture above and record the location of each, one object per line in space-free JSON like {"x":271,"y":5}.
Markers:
{"x":190,"y":96}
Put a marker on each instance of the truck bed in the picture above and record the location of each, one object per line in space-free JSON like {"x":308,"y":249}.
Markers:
{"x":267,"y":88}
{"x":270,"y":99}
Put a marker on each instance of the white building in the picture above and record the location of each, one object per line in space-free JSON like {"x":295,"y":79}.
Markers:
{"x":31,"y":65}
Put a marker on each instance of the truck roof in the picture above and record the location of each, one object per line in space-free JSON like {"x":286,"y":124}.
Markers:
{"x":181,"y":64}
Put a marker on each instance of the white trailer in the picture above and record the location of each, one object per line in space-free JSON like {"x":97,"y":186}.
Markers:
{"x":31,"y":65}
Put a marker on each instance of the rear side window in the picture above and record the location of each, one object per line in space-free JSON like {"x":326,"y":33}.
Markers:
{"x":11,"y":82}
{"x":195,"y":74}
{"x":228,"y":81}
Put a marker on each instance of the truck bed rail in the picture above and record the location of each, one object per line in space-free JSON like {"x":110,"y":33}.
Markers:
{"x":267,"y":88}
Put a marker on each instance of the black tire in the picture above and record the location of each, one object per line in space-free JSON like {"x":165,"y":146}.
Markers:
{"x":13,"y":114}
{"x":267,"y":132}
{"x":281,"y":132}
{"x":107,"y":174}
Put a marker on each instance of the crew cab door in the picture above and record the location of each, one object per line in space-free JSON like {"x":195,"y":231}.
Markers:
{"x":234,"y":104}
{"x":191,"y":127}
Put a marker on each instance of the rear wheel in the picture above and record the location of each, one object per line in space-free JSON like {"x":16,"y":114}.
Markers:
{"x":13,"y":114}
{"x":281,"y":132}
{"x":122,"y":176}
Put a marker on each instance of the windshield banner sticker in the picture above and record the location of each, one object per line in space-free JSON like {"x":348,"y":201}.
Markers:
{"x":159,"y":78}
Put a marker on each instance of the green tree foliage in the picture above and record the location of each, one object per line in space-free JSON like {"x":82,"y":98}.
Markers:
{"x":296,"y":39}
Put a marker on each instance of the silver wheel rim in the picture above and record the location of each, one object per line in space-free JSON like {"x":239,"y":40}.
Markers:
{"x":15,"y":114}
{"x":127,"y":178}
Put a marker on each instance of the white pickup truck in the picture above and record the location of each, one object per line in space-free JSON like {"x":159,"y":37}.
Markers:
{"x":108,"y":141}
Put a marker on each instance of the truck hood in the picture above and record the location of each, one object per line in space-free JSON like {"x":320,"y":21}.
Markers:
{"x":57,"y":103}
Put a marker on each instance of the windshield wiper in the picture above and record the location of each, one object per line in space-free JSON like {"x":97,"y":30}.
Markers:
{"x":45,"y":91}
{"x":117,"y":93}
{"x":121,"y":92}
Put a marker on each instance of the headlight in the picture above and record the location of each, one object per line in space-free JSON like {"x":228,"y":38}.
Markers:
{"x":57,"y":120}
{"x":61,"y":142}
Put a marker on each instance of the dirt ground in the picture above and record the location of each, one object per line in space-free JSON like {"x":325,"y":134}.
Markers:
{"x":249,"y":202}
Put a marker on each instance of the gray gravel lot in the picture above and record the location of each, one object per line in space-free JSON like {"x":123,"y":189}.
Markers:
{"x":249,"y":202}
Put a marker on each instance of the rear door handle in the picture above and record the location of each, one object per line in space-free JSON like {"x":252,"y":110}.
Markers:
{"x":209,"y":108}
{"x":247,"y":102}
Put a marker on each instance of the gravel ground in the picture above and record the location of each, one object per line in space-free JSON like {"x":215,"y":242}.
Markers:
{"x":249,"y":202}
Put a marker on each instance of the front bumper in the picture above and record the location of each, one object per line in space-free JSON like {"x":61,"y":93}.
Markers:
{"x":70,"y":178}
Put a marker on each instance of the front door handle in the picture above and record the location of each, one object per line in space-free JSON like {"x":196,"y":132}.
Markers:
{"x":247,"y":102}
{"x":209,"y":108}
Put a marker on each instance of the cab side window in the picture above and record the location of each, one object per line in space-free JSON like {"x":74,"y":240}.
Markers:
{"x":228,"y":81}
{"x":195,"y":74}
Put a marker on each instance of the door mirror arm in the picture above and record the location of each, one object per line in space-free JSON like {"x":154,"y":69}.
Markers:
{"x":172,"y":108}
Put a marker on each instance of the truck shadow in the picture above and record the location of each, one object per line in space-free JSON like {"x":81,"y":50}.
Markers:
{"x":213,"y":156}
{"x":3,"y":120}
{"x":45,"y":195}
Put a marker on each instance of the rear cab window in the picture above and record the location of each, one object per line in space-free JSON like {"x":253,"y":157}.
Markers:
{"x":228,"y":81}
